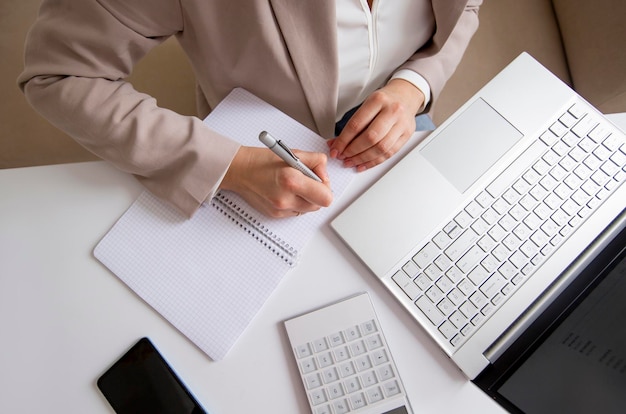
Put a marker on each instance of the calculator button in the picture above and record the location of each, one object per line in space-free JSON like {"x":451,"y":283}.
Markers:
{"x":336,"y":339}
{"x":352,"y":333}
{"x":368,"y":379}
{"x":320,"y":345}
{"x":323,"y":410}
{"x":313,"y":381}
{"x":335,"y":391}
{"x":385,"y":372}
{"x":368,"y":328}
{"x":341,"y":354}
{"x":347,"y":369}
{"x":308,"y":365}
{"x":352,"y":385}
{"x":358,"y":401}
{"x":357,"y":348}
{"x":373,"y":342}
{"x":374,"y":395}
{"x":330,"y":375}
{"x":341,"y":407}
{"x":363,"y":363}
{"x":324,"y":360}
{"x":303,"y":351}
{"x":318,"y":397}
{"x":379,"y":357}
{"x":391,"y":388}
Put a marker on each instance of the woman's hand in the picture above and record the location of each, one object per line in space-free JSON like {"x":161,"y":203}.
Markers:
{"x":380,"y":127}
{"x":274,"y":188}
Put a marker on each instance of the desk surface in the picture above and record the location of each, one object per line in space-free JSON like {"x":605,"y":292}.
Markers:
{"x":65,"y":318}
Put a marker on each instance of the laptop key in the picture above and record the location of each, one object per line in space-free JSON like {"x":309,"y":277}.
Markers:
{"x":426,"y":255}
{"x":460,"y":245}
{"x":430,"y":310}
{"x":501,"y":183}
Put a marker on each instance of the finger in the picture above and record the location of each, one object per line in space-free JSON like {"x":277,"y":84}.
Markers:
{"x":369,"y":164}
{"x":303,"y":206}
{"x":381,"y":152}
{"x":401,"y":129}
{"x":302,"y":194}
{"x":287,"y":204}
{"x":311,"y":194}
{"x":355,"y":126}
{"x":317,"y":162}
{"x":378,"y":139}
{"x":375,"y":137}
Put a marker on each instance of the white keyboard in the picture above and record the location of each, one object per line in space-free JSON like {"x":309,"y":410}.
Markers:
{"x":344,"y":360}
{"x":499,"y":239}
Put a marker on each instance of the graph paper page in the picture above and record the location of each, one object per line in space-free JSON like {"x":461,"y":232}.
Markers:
{"x":210,"y":275}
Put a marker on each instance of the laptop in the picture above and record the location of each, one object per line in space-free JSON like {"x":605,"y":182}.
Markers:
{"x":481,"y":226}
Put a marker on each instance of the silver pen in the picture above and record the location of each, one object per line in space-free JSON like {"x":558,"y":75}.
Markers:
{"x":282,"y":150}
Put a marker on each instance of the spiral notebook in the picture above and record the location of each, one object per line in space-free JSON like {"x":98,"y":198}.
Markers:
{"x":211,"y":274}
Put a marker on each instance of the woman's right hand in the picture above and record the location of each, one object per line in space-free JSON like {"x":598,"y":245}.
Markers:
{"x":274,"y":188}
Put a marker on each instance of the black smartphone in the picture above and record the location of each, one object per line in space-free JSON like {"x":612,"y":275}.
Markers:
{"x":142,"y":381}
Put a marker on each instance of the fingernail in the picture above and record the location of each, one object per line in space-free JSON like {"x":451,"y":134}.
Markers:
{"x":333,"y":153}
{"x":361,"y":168}
{"x":348,"y":164}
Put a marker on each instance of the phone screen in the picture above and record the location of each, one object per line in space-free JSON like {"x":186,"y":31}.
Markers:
{"x":141,"y":381}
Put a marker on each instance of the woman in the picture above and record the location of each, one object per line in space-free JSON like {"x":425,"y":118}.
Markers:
{"x":381,"y":62}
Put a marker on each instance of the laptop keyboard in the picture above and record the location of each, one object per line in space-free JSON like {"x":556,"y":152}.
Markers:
{"x":499,"y":239}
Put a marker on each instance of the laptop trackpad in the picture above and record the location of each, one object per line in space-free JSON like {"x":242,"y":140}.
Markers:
{"x":465,"y":149}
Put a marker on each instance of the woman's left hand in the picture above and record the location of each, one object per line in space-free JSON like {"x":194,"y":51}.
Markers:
{"x":380,"y":127}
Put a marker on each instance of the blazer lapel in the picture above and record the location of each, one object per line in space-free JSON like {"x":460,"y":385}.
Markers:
{"x":310,"y":33}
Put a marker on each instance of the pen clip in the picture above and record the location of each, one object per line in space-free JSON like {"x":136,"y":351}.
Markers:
{"x":286,"y":148}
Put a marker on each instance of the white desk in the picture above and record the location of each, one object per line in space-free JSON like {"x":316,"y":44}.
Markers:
{"x":64,"y":318}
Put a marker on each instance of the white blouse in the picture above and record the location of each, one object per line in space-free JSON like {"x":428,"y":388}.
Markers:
{"x":373,"y":43}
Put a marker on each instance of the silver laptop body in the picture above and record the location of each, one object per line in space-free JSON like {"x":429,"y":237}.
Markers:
{"x":479,"y":226}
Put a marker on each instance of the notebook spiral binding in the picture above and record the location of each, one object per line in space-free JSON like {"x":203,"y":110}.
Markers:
{"x":255,"y":228}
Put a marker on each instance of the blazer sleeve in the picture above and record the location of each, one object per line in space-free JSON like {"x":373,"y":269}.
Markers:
{"x":78,"y":54}
{"x":438,"y":59}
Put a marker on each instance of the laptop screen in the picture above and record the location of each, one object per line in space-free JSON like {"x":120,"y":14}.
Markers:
{"x":573,"y":358}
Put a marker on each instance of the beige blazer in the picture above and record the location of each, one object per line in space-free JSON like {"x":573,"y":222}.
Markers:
{"x":78,"y":54}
